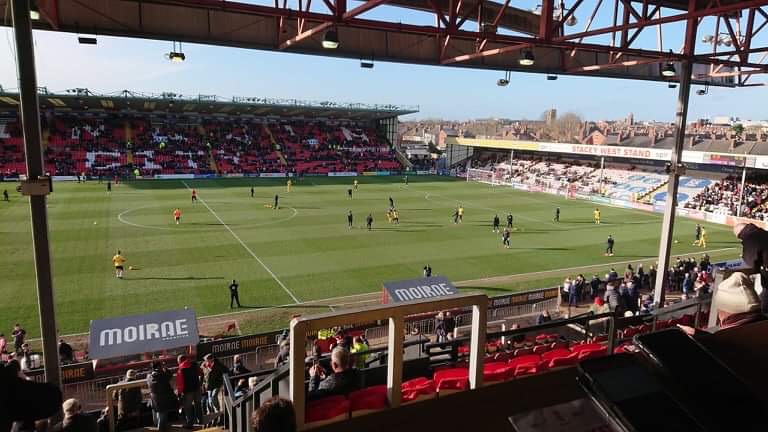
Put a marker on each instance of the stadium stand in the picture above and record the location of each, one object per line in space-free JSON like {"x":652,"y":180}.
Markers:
{"x":113,"y":144}
{"x":723,"y":198}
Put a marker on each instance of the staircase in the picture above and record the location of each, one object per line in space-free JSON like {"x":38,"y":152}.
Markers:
{"x":212,"y":164}
{"x":646,"y":197}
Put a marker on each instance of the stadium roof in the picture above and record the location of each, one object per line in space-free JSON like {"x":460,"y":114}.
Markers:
{"x":593,"y":38}
{"x":83,"y":99}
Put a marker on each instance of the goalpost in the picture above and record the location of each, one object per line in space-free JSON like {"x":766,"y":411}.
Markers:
{"x":485,"y":176}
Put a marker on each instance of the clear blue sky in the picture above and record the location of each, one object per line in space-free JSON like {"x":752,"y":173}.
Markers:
{"x":451,"y":93}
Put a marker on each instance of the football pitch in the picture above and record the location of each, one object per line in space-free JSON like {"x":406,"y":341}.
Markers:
{"x":299,"y":257}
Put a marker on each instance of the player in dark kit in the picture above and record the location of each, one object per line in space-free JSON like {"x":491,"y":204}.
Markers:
{"x":5,"y":195}
{"x":505,"y":238}
{"x":252,"y":191}
{"x":234,"y":297}
{"x":609,"y":246}
{"x":557,"y":214}
{"x":277,"y":199}
{"x":496,"y":223}
{"x":109,"y":187}
{"x":391,"y":203}
{"x":510,"y":221}
{"x":349,"y":219}
{"x":369,"y":221}
{"x":349,"y":193}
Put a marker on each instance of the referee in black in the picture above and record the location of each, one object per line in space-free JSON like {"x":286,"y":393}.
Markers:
{"x":234,"y":297}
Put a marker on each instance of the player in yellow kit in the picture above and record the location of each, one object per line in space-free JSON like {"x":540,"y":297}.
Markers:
{"x":289,"y":184}
{"x":461,"y":213}
{"x":118,"y":261}
{"x":596,"y":216}
{"x":702,"y":241}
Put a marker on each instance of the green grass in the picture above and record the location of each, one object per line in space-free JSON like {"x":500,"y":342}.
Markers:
{"x":306,"y":243}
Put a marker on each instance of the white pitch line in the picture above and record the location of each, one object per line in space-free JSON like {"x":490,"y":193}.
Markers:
{"x":245,"y":246}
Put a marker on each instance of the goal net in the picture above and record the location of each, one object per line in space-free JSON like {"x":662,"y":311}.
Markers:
{"x":485,"y":176}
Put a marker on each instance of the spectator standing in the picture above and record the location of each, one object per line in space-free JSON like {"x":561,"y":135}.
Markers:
{"x":188,"y":387}
{"x":284,"y":352}
{"x":442,"y":335}
{"x":359,"y":347}
{"x":450,"y":325}
{"x":74,"y":419}
{"x":213,"y":377}
{"x":18,"y":335}
{"x":274,"y":415}
{"x":161,"y":395}
{"x":129,"y":403}
{"x":687,"y":283}
{"x":27,"y":358}
{"x":66,"y":353}
{"x":343,"y":380}
{"x":238,"y":367}
{"x":612,"y":299}
{"x":594,"y":286}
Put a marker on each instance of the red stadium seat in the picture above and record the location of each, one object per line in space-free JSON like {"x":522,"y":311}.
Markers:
{"x":539,"y":349}
{"x":562,"y":352}
{"x":524,"y":364}
{"x":587,"y":347}
{"x":327,"y":410}
{"x":569,"y":360}
{"x":451,"y":380}
{"x":418,"y":389}
{"x":495,"y":372}
{"x":587,"y":354}
{"x":368,"y":400}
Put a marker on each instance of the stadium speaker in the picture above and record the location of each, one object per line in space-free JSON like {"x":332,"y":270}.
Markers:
{"x":551,"y":77}
{"x":366,"y":64}
{"x":84,"y":40}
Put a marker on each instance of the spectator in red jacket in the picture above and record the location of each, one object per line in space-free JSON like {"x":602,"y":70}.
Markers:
{"x":188,"y":387}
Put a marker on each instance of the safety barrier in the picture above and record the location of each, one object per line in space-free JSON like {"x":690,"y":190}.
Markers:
{"x":301,"y":327}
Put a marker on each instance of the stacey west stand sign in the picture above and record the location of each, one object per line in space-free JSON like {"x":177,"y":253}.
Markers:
{"x":417,"y":289}
{"x":116,"y":337}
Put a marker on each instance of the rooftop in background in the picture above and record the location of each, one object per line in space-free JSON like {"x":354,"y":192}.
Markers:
{"x":84,"y":99}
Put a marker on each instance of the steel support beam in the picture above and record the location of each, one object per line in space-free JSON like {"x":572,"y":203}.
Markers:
{"x":670,"y":206}
{"x":33,"y":153}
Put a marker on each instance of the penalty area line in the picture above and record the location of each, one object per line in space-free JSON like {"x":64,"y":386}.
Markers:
{"x":245,"y":246}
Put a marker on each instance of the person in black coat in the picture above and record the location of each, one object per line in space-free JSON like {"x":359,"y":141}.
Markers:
{"x":161,"y":395}
{"x":238,"y":367}
{"x":342,"y":381}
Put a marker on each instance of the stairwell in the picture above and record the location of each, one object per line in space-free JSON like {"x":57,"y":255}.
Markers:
{"x":275,"y":146}
{"x":128,"y":138}
{"x":646,"y":197}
